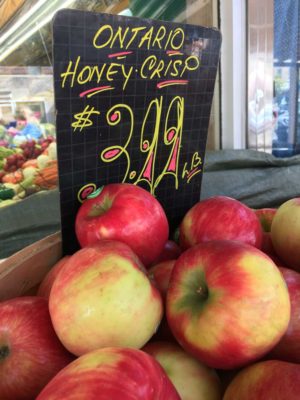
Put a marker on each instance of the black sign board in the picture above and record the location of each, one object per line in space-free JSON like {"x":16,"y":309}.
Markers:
{"x":133,"y":99}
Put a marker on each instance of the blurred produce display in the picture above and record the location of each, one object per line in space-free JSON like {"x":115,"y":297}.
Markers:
{"x":27,"y":168}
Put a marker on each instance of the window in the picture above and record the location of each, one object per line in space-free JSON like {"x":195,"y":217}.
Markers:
{"x":273,"y":76}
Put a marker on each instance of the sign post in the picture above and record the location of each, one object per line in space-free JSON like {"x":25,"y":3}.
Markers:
{"x":133,"y":99}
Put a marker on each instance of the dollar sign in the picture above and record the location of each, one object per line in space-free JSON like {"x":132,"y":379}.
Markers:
{"x":83,"y":118}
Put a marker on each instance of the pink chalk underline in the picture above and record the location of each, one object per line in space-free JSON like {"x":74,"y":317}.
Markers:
{"x":122,"y":53}
{"x":171,"y":52}
{"x":97,"y":89}
{"x":172,"y":82}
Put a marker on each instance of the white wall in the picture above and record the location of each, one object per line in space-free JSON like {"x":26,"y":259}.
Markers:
{"x":233,"y":73}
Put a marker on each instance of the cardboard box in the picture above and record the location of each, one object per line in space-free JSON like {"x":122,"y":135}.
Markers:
{"x":21,"y":273}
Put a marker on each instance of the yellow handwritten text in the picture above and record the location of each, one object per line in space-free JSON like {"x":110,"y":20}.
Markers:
{"x":152,"y":67}
{"x":148,"y":37}
{"x":112,"y":153}
{"x":172,"y":138}
{"x":193,"y":168}
{"x":149,"y":141}
{"x":83,"y":119}
{"x":76,"y":74}
{"x":147,"y":171}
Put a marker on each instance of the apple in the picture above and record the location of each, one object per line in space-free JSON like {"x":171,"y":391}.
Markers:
{"x":265,"y":216}
{"x":227,"y":303}
{"x":220,"y":218}
{"x":266,"y":380}
{"x":160,"y":274}
{"x":46,"y":285}
{"x":103,"y":298}
{"x":30,"y":352}
{"x":126,"y":213}
{"x":171,"y":251}
{"x":192,"y":379}
{"x":111,"y":374}
{"x":288,"y":349}
{"x":285,"y":233}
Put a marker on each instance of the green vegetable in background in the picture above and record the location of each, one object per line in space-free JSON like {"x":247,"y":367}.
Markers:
{"x":5,"y":152}
{"x":6,"y":193}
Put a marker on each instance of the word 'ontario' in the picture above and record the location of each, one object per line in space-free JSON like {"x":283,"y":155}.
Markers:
{"x":138,"y":36}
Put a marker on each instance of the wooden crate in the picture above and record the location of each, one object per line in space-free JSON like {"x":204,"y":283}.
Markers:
{"x":22,"y":272}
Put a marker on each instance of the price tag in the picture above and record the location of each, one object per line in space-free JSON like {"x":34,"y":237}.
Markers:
{"x":133,"y":99}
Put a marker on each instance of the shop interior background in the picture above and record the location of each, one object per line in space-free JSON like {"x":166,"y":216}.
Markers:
{"x":256,"y":102}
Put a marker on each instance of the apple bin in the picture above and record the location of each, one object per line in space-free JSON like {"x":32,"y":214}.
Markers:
{"x":231,"y":312}
{"x":21,"y":273}
{"x":148,"y":292}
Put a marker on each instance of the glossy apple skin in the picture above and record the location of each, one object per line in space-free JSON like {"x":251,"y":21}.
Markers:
{"x":266,"y":380}
{"x":111,"y":374}
{"x":35,"y":354}
{"x":227,"y":303}
{"x":265,"y":216}
{"x":102,"y":298}
{"x":285,"y":233}
{"x":192,"y":379}
{"x":160,"y":274}
{"x":126,"y":213}
{"x":288,"y":349}
{"x":220,"y":218}
{"x":47,"y":282}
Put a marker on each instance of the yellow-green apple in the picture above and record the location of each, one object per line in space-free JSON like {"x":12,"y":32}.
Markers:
{"x":171,"y":251}
{"x":266,"y":380}
{"x":30,"y":352}
{"x":285,"y":233}
{"x":126,"y":213}
{"x":288,"y":349}
{"x":111,"y":374}
{"x":102,"y":297}
{"x":46,"y":284}
{"x":265,"y":216}
{"x":220,"y":218}
{"x":227,"y":303}
{"x":160,"y":274}
{"x":192,"y":379}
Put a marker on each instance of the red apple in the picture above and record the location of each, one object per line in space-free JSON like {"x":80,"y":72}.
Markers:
{"x":160,"y":274}
{"x":265,"y":216}
{"x":285,"y":233}
{"x":227,"y":303}
{"x":171,"y":251}
{"x":191,"y":379}
{"x":47,"y":282}
{"x":288,"y":349}
{"x":126,"y":213}
{"x":102,"y":297}
{"x":220,"y":218}
{"x":30,"y":352}
{"x":111,"y":374}
{"x":266,"y":380}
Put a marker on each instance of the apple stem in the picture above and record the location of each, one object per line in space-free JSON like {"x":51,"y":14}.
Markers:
{"x":4,"y":352}
{"x":95,"y":193}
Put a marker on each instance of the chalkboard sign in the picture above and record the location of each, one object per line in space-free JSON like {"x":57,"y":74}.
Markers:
{"x":133,"y":99}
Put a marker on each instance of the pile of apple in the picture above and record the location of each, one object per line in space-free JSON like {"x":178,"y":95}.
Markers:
{"x":135,"y":316}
